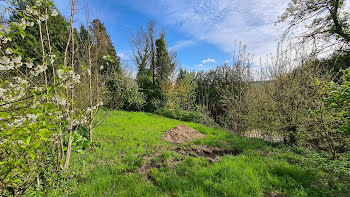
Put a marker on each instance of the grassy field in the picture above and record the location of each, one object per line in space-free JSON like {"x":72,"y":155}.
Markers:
{"x":125,"y":140}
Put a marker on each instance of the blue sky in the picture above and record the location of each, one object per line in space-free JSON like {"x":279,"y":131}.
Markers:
{"x":203,"y":32}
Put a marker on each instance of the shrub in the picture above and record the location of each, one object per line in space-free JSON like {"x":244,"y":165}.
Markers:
{"x":152,"y":92}
{"x":188,"y":116}
{"x":123,"y":93}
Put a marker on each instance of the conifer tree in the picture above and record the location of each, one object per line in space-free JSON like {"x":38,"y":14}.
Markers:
{"x":164,"y":66}
{"x":103,"y":47}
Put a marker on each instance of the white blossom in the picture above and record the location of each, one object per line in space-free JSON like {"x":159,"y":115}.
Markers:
{"x":38,"y":70}
{"x":32,"y":117}
{"x":20,"y":121}
{"x":60,"y":73}
{"x":8,"y":51}
{"x":18,"y":60}
{"x":54,"y":13}
{"x":88,"y":110}
{"x":5,"y":60}
{"x":38,"y":3}
{"x":3,"y":141}
{"x":52,"y":61}
{"x":60,"y":100}
{"x":76,"y":78}
{"x":5,"y":40}
{"x":23,"y":24}
{"x":21,"y":81}
{"x":2,"y":92}
{"x":29,"y":10}
{"x":29,"y":64}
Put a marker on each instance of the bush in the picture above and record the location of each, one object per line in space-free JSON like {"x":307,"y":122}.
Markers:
{"x":153,"y":94}
{"x":188,"y":116}
{"x":123,"y":93}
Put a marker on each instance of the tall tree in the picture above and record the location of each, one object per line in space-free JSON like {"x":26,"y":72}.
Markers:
{"x":325,"y":20}
{"x":103,"y":47}
{"x":143,"y":48}
{"x":164,"y":65}
{"x":54,"y":30}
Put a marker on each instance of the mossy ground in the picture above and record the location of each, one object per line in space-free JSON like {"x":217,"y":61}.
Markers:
{"x":122,"y":142}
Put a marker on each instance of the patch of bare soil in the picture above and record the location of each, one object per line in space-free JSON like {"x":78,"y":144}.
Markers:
{"x":212,"y":154}
{"x":181,"y":134}
{"x":273,"y":194}
{"x":148,"y":164}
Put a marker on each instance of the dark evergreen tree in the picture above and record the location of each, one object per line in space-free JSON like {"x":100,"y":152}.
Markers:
{"x":30,"y":45}
{"x":103,"y":47}
{"x":164,"y":66}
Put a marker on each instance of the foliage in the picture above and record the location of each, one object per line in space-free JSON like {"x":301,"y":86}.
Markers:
{"x":337,"y":99}
{"x":164,"y":66}
{"x":196,"y":116}
{"x":123,"y":93}
{"x":336,"y":63}
{"x":152,"y":92}
{"x":332,"y":119}
{"x":222,"y":92}
{"x":207,"y":90}
{"x":326,"y":20}
{"x":143,"y":49}
{"x":106,"y":55}
{"x":30,"y":45}
{"x":38,"y":118}
{"x":182,"y":93}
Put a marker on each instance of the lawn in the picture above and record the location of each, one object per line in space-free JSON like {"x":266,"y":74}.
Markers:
{"x":126,"y":141}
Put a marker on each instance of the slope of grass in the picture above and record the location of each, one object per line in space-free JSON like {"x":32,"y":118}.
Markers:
{"x":124,"y":139}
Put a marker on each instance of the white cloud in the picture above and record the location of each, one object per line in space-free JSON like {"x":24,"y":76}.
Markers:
{"x":198,"y":65}
{"x":209,"y":60}
{"x":182,"y":44}
{"x":218,"y":22}
{"x":222,"y":22}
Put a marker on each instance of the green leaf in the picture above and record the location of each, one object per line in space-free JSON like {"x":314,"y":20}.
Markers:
{"x":17,"y":181}
{"x":22,"y":34}
{"x":45,"y":139}
{"x":32,"y":154}
{"x":28,"y":140}
{"x":86,"y":144}
{"x":35,"y":145}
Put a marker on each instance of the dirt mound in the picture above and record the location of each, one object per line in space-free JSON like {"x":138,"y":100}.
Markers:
{"x":181,"y":134}
{"x":211,"y":154}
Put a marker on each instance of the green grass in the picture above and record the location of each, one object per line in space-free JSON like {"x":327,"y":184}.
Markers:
{"x":110,"y":166}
